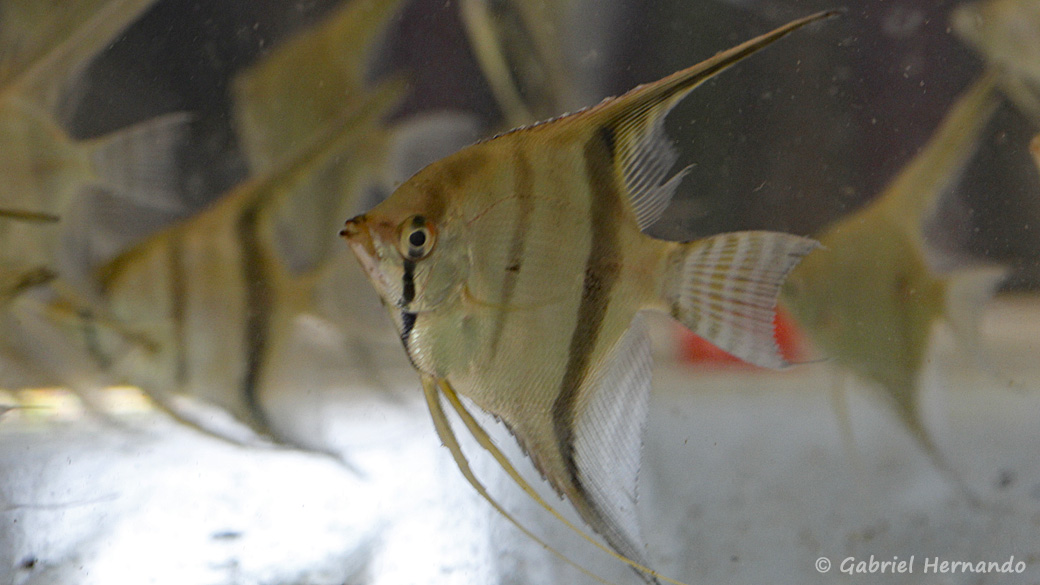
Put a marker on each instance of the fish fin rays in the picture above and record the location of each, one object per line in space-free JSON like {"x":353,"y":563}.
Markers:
{"x":140,"y":163}
{"x":432,"y":390}
{"x":725,"y":288}
{"x":644,"y":153}
{"x":609,"y":440}
{"x":432,"y":387}
{"x":644,"y":164}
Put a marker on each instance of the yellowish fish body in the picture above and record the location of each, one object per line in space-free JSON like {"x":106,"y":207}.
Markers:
{"x":19,"y":272}
{"x":871,"y":298}
{"x":44,"y":46}
{"x":516,"y":271}
{"x":42,"y":167}
{"x":208,"y":308}
{"x":297,"y":91}
{"x":45,"y":170}
{"x":226,"y":308}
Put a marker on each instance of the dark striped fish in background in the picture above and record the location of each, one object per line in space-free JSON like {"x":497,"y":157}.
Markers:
{"x":516,"y":271}
{"x":46,"y":44}
{"x":250,"y":306}
{"x":208,"y":309}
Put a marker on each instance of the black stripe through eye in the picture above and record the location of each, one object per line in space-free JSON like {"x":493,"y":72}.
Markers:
{"x":408,"y":283}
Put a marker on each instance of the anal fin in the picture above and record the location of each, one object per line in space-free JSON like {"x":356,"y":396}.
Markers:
{"x":609,"y":439}
{"x":431,"y":386}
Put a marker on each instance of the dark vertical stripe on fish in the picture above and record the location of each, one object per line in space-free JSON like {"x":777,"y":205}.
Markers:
{"x":258,"y":311}
{"x":602,"y":268}
{"x":524,"y":192}
{"x":178,"y":308}
{"x":407,"y":324}
{"x":408,"y":283}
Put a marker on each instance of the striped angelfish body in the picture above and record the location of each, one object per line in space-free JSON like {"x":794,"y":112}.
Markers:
{"x":516,"y":270}
{"x":19,"y":270}
{"x":207,"y":305}
{"x":204,"y":298}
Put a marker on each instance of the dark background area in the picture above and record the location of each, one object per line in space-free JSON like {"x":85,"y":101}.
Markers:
{"x":791,"y":139}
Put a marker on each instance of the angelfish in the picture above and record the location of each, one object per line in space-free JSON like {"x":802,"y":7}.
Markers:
{"x":516,"y":271}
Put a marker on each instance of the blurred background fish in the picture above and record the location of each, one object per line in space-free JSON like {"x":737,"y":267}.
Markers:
{"x":518,"y":46}
{"x":18,"y":273}
{"x":45,"y":45}
{"x":223,"y":310}
{"x":44,"y":48}
{"x":1007,"y":33}
{"x":213,"y":306}
{"x":870,"y":299}
{"x":245,"y":306}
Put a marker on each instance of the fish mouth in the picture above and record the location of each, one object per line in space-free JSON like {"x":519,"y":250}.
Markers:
{"x":354,"y":227}
{"x":355,"y":231}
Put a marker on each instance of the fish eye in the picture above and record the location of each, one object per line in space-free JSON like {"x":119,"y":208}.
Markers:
{"x":417,"y":238}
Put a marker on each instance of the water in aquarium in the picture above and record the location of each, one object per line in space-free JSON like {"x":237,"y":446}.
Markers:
{"x":393,"y":292}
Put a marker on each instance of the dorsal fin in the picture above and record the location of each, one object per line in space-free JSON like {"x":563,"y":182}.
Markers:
{"x":636,"y":121}
{"x":912,"y":197}
{"x":45,"y":45}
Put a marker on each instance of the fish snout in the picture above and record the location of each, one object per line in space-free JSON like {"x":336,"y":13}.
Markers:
{"x":354,"y":227}
{"x":357,"y":233}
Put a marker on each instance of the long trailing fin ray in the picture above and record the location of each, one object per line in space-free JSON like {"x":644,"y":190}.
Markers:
{"x":488,"y":444}
{"x":725,"y":288}
{"x":609,"y":439}
{"x":28,"y":215}
{"x":447,"y":436}
{"x":645,"y":154}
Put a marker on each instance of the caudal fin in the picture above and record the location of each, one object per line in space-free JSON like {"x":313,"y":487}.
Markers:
{"x":724,"y":289}
{"x":140,"y":163}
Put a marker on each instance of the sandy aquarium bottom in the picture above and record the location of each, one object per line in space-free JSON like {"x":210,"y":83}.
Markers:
{"x":748,"y":477}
